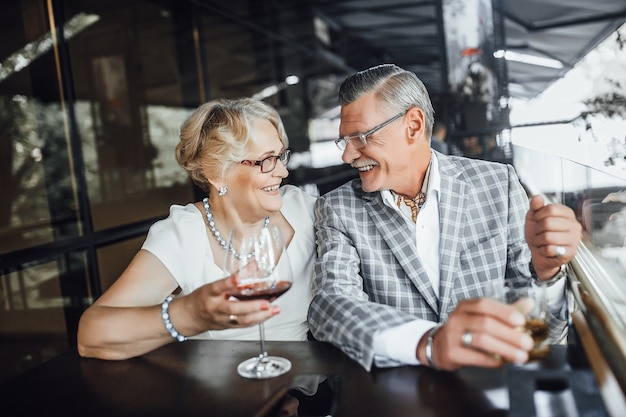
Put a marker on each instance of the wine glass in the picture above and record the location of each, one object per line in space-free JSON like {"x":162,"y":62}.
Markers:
{"x":263,"y":271}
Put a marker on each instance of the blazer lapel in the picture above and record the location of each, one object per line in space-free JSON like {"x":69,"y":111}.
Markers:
{"x":393,"y":230}
{"x":452,"y":201}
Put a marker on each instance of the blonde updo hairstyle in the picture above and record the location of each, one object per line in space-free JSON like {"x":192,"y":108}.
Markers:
{"x":216,"y":136}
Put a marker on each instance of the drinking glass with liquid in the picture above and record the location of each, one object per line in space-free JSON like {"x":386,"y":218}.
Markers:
{"x":532,"y":301}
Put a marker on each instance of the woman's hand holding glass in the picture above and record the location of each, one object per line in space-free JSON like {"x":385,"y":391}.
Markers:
{"x":214,"y":310}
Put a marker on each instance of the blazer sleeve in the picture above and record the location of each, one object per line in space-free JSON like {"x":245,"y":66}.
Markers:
{"x":341,"y":311}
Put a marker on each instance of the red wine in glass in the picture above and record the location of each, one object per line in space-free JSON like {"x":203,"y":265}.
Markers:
{"x":261,"y":290}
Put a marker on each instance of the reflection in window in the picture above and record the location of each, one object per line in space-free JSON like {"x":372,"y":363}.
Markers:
{"x":25,"y":218}
{"x":32,"y":316}
{"x":33,"y":50}
{"x":599,"y":199}
{"x":164,"y":172}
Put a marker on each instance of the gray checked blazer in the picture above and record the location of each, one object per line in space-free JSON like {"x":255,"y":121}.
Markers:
{"x":368,"y":276}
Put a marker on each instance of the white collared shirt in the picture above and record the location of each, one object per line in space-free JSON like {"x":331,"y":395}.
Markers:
{"x":427,"y":225}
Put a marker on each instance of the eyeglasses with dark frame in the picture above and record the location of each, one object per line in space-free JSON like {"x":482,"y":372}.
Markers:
{"x":342,"y":142}
{"x":268,"y":164}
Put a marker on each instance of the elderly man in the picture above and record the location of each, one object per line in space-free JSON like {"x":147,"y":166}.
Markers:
{"x":405,"y":251}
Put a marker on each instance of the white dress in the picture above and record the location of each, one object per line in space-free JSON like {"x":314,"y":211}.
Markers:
{"x":181,"y":242}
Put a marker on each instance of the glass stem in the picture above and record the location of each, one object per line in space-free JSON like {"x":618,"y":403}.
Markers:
{"x":263,"y":354}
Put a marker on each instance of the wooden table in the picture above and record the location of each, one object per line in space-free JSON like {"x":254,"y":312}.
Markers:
{"x":199,"y":378}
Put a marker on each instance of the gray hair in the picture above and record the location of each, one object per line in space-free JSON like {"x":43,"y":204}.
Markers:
{"x":216,"y":136}
{"x":396,"y":89}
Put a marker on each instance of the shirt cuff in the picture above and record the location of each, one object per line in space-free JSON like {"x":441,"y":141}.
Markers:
{"x":556,"y":296}
{"x":399,"y":343}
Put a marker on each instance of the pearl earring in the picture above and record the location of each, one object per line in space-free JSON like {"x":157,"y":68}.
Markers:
{"x":223,"y":190}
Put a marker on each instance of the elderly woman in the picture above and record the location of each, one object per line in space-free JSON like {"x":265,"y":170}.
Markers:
{"x":236,"y":151}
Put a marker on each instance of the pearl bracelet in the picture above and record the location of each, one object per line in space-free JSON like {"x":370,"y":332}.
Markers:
{"x":165,"y":315}
{"x":429,"y":346}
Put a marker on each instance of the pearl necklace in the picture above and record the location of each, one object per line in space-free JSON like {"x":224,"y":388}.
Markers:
{"x":218,"y":236}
